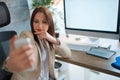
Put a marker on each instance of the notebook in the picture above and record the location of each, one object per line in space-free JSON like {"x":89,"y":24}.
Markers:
{"x":100,"y":52}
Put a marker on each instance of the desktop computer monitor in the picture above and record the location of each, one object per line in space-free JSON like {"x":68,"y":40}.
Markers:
{"x":98,"y":18}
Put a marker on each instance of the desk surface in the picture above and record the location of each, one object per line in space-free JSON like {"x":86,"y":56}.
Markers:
{"x":80,"y":58}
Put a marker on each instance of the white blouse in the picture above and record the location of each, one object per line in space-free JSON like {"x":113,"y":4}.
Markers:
{"x":44,"y":75}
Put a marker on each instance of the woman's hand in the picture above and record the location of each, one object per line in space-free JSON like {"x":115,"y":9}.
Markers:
{"x":47,"y":36}
{"x":42,"y":34}
{"x":21,"y":58}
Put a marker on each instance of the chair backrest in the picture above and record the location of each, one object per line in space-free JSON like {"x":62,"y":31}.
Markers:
{"x":4,"y":15}
{"x":5,"y":36}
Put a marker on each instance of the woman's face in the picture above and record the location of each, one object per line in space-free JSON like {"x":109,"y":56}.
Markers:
{"x":40,"y":23}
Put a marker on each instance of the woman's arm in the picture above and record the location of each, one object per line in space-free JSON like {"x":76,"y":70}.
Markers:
{"x":63,"y":50}
{"x":60,"y":47}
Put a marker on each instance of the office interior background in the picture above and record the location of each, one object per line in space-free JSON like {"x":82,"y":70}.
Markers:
{"x":20,"y":11}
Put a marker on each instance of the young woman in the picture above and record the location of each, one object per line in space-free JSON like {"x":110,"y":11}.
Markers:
{"x":36,"y":61}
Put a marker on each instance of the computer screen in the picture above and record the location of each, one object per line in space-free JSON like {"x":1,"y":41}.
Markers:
{"x":92,"y":16}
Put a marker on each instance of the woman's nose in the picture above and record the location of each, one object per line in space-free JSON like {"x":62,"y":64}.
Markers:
{"x":40,"y":25}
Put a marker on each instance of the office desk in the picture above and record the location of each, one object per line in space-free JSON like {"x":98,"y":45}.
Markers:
{"x":80,"y":58}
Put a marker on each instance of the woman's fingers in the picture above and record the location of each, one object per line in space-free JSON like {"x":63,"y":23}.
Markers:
{"x":42,"y":35}
{"x":37,"y":33}
{"x":12,"y":40}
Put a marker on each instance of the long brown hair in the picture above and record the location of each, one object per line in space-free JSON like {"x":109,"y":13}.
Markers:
{"x":49,"y":19}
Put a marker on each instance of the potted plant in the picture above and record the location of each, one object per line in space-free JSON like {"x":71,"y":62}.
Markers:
{"x":37,"y":3}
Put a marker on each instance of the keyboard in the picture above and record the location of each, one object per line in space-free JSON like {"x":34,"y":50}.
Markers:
{"x":102,"y":53}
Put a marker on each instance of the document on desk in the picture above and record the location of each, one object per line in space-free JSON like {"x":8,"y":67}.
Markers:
{"x":81,"y":43}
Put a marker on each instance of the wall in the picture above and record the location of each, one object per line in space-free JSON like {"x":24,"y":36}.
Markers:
{"x":20,"y":16}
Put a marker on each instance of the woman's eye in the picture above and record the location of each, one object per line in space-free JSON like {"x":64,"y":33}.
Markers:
{"x":36,"y":21}
{"x":45,"y":22}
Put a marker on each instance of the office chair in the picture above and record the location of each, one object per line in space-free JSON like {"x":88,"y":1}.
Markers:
{"x":5,"y":36}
